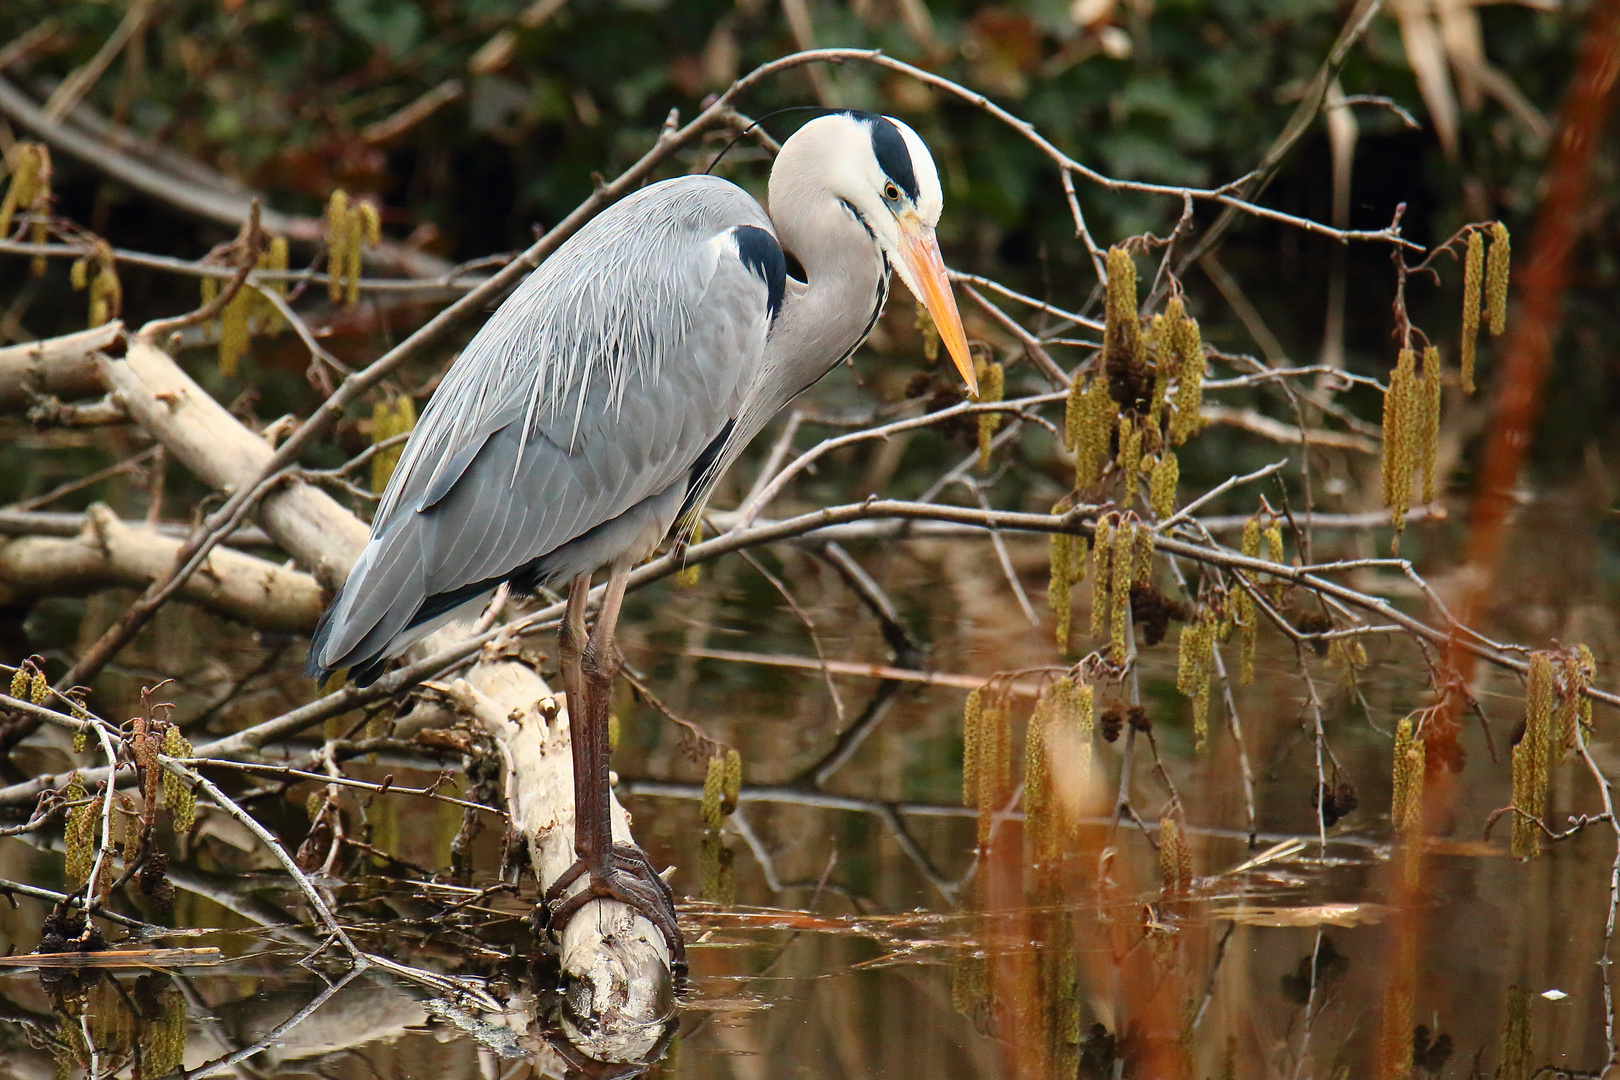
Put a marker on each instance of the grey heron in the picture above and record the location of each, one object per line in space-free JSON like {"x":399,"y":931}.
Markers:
{"x":598,"y":406}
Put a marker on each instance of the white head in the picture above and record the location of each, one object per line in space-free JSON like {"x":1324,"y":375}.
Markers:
{"x":884,"y":176}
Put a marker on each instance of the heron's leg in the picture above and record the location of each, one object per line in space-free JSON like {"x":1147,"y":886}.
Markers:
{"x":599,"y":666}
{"x":571,"y":640}
{"x":620,"y":871}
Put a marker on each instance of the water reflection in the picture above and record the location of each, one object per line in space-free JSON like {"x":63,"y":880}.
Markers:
{"x":863,"y":936}
{"x":250,"y":1017}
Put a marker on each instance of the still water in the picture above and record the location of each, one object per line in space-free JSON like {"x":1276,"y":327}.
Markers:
{"x":852,"y":930}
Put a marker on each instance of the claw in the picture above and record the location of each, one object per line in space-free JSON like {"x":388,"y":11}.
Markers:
{"x":630,"y":879}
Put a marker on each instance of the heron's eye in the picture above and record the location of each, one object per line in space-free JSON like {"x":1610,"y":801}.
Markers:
{"x":891,"y":192}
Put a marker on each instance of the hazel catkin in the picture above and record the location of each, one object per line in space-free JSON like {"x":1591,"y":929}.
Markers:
{"x":930,"y":333}
{"x":1248,"y":625}
{"x":1194,"y":665}
{"x":1072,"y":704}
{"x":1400,"y":418}
{"x":1531,"y":757}
{"x":1142,"y":568}
{"x":235,"y":331}
{"x":1162,"y":483}
{"x":1038,"y":797}
{"x":1188,"y":418}
{"x":1406,"y":800}
{"x":389,"y":419}
{"x":1496,"y":278}
{"x":1175,"y":857}
{"x":98,"y":272}
{"x":1161,"y":331}
{"x":338,"y":236}
{"x":1124,"y":356}
{"x":1123,"y":566}
{"x":78,"y":834}
{"x":731,"y":782}
{"x":1067,"y":559}
{"x":351,"y":226}
{"x":1428,"y":422}
{"x":178,"y":798}
{"x":1130,"y":458}
{"x":690,"y":573}
{"x":1473,"y":282}
{"x":30,"y":188}
{"x":1089,"y":421}
{"x":1587,"y":669}
{"x":992,"y":387}
{"x":1102,"y":553}
{"x":714,"y":783}
{"x":972,"y":745}
{"x":995,"y":762}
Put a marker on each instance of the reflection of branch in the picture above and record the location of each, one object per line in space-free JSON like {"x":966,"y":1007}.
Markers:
{"x":798,"y":796}
{"x":386,"y":787}
{"x":810,"y":625}
{"x":907,"y":652}
{"x":850,"y":739}
{"x":1606,"y":793}
{"x":316,"y":903}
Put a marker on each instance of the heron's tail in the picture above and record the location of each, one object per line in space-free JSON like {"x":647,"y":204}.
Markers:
{"x":368,"y":621}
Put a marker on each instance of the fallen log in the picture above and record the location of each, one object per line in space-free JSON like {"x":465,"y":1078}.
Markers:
{"x":198,"y":432}
{"x":617,"y":979}
{"x":109,"y":553}
{"x":63,"y":366}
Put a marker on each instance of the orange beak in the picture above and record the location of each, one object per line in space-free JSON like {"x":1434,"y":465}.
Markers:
{"x":924,"y":272}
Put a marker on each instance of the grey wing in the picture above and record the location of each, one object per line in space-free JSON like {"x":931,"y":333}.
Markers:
{"x":592,"y":401}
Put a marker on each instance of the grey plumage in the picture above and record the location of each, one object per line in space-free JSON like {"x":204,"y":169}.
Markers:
{"x":613,"y":387}
{"x":593,"y":389}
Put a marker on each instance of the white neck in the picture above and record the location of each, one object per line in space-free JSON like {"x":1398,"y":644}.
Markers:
{"x":825,"y":318}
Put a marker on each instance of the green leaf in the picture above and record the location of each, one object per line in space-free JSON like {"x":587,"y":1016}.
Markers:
{"x":390,"y":25}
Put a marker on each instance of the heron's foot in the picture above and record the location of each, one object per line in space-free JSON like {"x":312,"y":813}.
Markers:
{"x":629,"y":878}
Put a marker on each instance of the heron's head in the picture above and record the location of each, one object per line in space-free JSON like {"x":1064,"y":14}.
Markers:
{"x":884,"y":175}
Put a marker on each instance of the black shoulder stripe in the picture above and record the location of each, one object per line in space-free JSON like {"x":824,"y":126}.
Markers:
{"x":761,"y":253}
{"x":893,"y":156}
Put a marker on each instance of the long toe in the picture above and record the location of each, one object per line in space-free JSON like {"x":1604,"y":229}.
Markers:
{"x":628,"y":878}
{"x":633,"y":860}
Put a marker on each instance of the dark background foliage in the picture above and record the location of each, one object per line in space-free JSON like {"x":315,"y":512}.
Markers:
{"x":279,"y":95}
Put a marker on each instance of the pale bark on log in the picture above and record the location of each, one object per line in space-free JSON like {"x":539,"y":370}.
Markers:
{"x":306,"y":522}
{"x":615,"y":963}
{"x":64,"y":367}
{"x":109,"y":552}
{"x":65,"y":523}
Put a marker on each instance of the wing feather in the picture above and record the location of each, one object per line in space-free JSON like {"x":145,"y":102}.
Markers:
{"x":592,"y":390}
